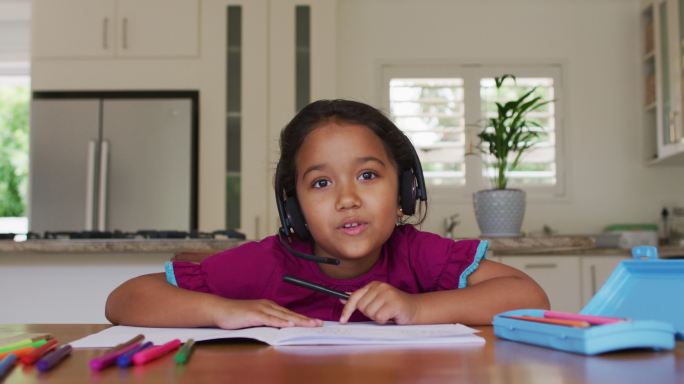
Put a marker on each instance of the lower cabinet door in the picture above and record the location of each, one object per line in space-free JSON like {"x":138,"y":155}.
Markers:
{"x":595,"y":272}
{"x":558,"y":275}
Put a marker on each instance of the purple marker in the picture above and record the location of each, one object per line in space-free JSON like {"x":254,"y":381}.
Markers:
{"x":53,"y":358}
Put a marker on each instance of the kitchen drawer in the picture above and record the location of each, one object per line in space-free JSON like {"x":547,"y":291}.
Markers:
{"x":558,"y":275}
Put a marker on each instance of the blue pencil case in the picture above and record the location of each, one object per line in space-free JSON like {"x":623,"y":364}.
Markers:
{"x":642,"y":291}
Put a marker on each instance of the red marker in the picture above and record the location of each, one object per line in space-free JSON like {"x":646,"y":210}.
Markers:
{"x":37,"y":353}
{"x":156,"y":352}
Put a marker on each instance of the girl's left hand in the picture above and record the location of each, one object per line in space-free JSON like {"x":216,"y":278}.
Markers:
{"x":381,"y":303}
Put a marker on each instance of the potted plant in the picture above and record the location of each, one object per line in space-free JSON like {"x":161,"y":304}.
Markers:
{"x":506,"y":137}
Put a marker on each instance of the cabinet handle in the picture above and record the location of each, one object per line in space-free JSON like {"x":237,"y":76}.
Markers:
{"x":90,"y":186}
{"x":541,"y":266}
{"x":105,"y":33}
{"x":104,"y":178}
{"x":592,"y":270}
{"x":256,"y":227}
{"x":673,"y":126}
{"x":124,"y":33}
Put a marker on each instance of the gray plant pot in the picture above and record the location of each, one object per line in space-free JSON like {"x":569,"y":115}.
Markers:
{"x":499,"y":212}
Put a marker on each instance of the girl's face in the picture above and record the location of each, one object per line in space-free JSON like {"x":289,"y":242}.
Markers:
{"x":347,"y":187}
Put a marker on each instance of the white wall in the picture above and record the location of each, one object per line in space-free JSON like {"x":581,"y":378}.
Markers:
{"x":597,"y":44}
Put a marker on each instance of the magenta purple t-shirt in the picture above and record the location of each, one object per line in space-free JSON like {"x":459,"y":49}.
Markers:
{"x":411,"y":260}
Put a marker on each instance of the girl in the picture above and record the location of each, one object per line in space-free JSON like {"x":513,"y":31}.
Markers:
{"x":341,"y":168}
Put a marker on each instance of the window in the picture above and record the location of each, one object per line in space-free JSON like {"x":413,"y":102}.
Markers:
{"x":430,"y":112}
{"x":15,"y":96}
{"x":443,"y":108}
{"x":14,"y":138}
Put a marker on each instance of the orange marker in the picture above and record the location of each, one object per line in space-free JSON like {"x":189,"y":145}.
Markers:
{"x":567,"y":323}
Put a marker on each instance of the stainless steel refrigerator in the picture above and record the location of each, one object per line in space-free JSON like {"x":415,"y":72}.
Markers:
{"x":113,"y":161}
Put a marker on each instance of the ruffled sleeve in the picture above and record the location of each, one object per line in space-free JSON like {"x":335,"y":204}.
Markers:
{"x":243,"y":272}
{"x":440,"y":263}
{"x":186,"y":275}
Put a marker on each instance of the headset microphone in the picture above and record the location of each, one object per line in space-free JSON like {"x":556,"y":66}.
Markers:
{"x":306,"y":256}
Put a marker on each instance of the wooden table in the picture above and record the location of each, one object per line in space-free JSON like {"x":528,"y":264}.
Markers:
{"x":498,"y":361}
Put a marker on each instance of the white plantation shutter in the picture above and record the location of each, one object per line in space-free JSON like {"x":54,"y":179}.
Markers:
{"x":431,"y":113}
{"x":441,"y":109}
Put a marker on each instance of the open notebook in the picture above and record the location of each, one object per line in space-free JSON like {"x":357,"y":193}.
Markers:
{"x":331,"y":333}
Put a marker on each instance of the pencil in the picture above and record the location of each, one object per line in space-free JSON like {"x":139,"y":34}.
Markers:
{"x":136,"y":339}
{"x":567,"y":323}
{"x":315,"y":287}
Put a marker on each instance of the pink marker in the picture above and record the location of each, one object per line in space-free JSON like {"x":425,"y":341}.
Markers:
{"x":594,"y":320}
{"x":155,"y":352}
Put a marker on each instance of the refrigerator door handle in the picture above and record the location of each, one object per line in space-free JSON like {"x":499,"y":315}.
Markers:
{"x":104,"y":173}
{"x":90,"y":186}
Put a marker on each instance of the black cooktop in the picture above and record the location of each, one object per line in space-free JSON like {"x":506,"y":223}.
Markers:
{"x":142,"y":234}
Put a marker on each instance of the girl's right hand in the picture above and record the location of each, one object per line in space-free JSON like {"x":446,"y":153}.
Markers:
{"x":234,"y":314}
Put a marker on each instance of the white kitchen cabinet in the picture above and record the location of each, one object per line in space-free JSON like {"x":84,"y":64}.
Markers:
{"x":662,"y":71}
{"x":115,"y":28}
{"x":559,"y":276}
{"x":595,"y":272}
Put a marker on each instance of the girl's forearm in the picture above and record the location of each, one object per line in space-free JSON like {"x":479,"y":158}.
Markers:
{"x":477,"y":304}
{"x":150,"y":301}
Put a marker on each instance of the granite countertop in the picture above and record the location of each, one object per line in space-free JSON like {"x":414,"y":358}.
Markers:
{"x":542,"y":246}
{"x":566,"y":245}
{"x":118,"y":245}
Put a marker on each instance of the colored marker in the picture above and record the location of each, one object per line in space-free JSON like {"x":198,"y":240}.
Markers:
{"x":184,"y":353}
{"x":126,"y":359}
{"x":156,"y":352}
{"x":18,"y":346}
{"x":22,"y":350}
{"x":593,"y":320}
{"x":37,"y":353}
{"x":53,"y":358}
{"x":315,"y":287}
{"x":101,"y":362}
{"x":567,"y":323}
{"x":23,"y":342}
{"x":6,"y":364}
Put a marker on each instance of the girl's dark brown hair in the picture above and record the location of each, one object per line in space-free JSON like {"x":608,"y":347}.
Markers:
{"x":397,"y":145}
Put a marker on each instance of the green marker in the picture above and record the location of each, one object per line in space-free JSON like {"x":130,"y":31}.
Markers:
{"x":22,"y":344}
{"x":184,"y":353}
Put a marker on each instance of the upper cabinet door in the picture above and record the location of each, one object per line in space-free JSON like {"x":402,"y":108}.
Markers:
{"x":73,"y":28}
{"x":158,"y":28}
{"x":115,"y":28}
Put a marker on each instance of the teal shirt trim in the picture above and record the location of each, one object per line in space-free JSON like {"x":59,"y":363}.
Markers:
{"x":479,"y":255}
{"x":170,"y":277}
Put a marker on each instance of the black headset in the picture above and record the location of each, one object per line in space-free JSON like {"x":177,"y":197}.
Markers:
{"x":411,"y":190}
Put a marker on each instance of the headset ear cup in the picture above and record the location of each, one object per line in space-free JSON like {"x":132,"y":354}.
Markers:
{"x":296,"y":218}
{"x":407,"y":193}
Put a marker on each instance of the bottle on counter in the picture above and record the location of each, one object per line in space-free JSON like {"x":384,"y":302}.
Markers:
{"x":677,"y":226}
{"x":664,"y":235}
